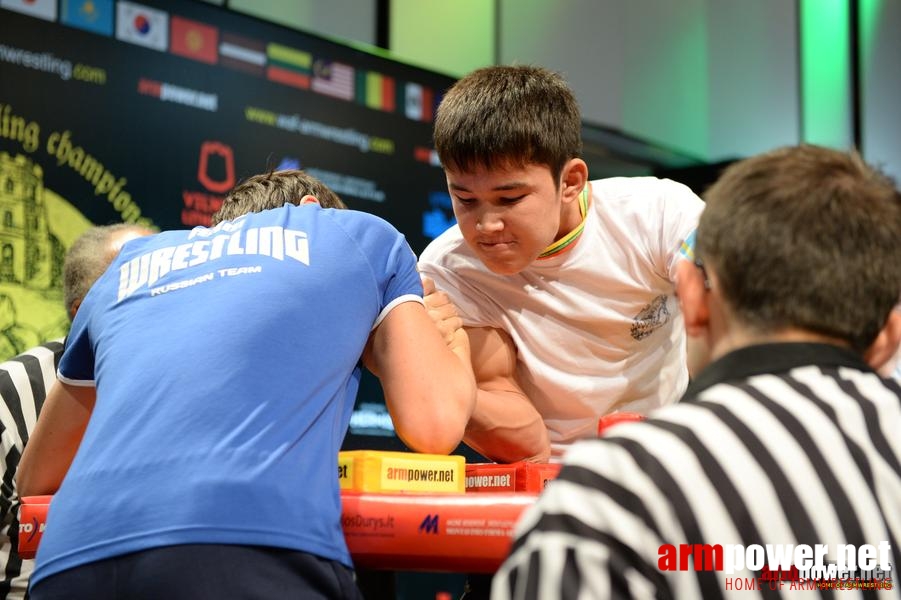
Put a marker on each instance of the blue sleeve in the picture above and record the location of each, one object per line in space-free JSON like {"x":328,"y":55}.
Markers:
{"x":77,"y":364}
{"x":391,"y":261}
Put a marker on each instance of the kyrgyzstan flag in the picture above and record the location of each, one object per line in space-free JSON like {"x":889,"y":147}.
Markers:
{"x":195,"y":40}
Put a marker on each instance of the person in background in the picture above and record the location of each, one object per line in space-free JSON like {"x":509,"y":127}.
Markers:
{"x":24,"y":381}
{"x":207,"y":385}
{"x":788,"y":437}
{"x":564,"y":285}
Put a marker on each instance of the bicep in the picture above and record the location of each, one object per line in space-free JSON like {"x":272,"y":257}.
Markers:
{"x":493,"y":357}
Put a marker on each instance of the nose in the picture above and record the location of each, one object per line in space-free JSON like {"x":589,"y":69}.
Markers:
{"x":489,"y":222}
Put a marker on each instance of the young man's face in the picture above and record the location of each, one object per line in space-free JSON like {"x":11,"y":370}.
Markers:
{"x":509,"y":216}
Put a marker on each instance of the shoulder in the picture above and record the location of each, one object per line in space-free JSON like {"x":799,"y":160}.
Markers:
{"x":641,"y":189}
{"x":360,"y":227}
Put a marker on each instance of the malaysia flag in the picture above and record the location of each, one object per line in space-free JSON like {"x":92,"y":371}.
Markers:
{"x":333,"y":79}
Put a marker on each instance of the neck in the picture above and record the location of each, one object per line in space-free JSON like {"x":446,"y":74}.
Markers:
{"x":739,"y":337}
{"x":572,"y":216}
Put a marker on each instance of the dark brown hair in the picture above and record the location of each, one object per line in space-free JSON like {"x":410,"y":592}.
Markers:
{"x":508,"y":116}
{"x":806,"y":237}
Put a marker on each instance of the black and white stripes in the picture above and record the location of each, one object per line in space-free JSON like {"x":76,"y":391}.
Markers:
{"x":24,"y":382}
{"x":809,"y":453}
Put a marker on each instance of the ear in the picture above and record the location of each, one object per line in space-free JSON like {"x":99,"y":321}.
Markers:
{"x":693,"y":297}
{"x":885,"y":346}
{"x":573,"y":178}
{"x":75,"y":306}
{"x":308,"y":199}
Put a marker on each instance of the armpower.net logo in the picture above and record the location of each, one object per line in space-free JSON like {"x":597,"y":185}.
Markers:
{"x":786,"y":566}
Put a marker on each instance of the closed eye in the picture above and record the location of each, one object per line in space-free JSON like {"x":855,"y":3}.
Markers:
{"x":512,"y":200}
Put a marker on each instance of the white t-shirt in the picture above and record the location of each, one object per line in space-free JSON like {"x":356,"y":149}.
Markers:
{"x":597,"y":328}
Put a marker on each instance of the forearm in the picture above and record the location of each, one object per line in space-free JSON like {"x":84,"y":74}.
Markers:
{"x":55,"y":439}
{"x":505,"y":427}
{"x":437,"y":424}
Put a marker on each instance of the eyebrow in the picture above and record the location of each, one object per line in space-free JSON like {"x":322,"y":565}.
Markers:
{"x":500,"y":188}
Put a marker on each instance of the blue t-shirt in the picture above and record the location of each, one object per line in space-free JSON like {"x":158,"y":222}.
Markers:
{"x":226,"y":362}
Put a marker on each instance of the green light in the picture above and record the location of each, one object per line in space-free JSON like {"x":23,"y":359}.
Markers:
{"x":870,"y":12}
{"x":826,"y":73}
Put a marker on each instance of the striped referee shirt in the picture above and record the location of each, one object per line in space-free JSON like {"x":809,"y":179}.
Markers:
{"x":772,"y":444}
{"x":24,"y":383}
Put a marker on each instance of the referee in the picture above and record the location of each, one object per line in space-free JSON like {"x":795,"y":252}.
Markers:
{"x":25,"y":381}
{"x":788,"y":437}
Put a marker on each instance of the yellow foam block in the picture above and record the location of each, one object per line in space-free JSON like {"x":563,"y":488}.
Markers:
{"x":382,"y":471}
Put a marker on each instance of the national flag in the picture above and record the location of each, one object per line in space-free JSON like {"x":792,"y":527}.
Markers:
{"x":91,"y":15}
{"x":192,"y":39}
{"x":375,"y":90}
{"x":241,"y":53}
{"x":333,"y":79}
{"x":42,"y":9}
{"x":142,"y":25}
{"x":426,"y":155}
{"x":289,"y":65}
{"x":418,"y":102}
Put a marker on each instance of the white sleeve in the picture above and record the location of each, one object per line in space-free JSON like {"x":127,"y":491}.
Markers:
{"x":681,"y":210}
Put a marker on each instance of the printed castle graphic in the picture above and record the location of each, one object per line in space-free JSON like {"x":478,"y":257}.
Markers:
{"x":28,"y":250}
{"x":31,"y":260}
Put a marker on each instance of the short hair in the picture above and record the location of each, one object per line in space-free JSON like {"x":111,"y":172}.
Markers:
{"x":508,"y":116}
{"x":274,"y":190}
{"x":805,"y":237}
{"x":88,"y":257}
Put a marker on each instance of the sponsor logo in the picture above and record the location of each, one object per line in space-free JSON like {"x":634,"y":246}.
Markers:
{"x":652,"y":317}
{"x":168,"y":92}
{"x":216,"y":173}
{"x":429,"y":524}
{"x":346,"y":136}
{"x":47,"y":62}
{"x":31,"y":529}
{"x":224,"y":152}
{"x":799,"y":566}
{"x":483,"y":481}
{"x":408,"y":474}
{"x":375,"y":524}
